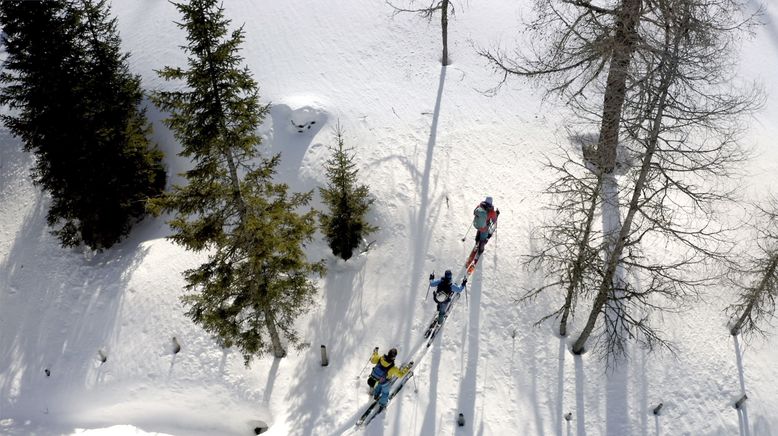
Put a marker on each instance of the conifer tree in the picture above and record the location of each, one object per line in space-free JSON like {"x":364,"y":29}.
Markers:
{"x":348,"y":201}
{"x":77,"y":108}
{"x":257,"y":279}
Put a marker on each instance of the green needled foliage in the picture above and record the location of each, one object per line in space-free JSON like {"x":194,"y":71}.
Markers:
{"x":76,"y":106}
{"x":257,"y":279}
{"x":348,"y":201}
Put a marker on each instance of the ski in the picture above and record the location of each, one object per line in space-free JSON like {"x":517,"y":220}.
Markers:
{"x":471,"y":265}
{"x":472,"y":260}
{"x":439,"y":324}
{"x":370,"y":418}
{"x":431,"y":326}
{"x":367,"y":416}
{"x":472,"y":255}
{"x":363,"y":420}
{"x":364,"y":416}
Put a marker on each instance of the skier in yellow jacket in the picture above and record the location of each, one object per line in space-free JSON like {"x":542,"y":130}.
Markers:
{"x":383,"y":374}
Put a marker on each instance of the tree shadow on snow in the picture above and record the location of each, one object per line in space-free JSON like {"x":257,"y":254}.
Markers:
{"x":469,"y":381}
{"x":56,"y":303}
{"x":580,"y":383}
{"x":535,"y":352}
{"x":429,"y":425}
{"x":742,"y":412}
{"x":421,"y":221}
{"x":311,"y":395}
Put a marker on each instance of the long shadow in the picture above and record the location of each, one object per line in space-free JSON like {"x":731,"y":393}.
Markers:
{"x":644,"y":393}
{"x":420,"y":235}
{"x":536,"y":397}
{"x":617,"y":420}
{"x":271,"y":379}
{"x":580,"y":383}
{"x":311,"y":395}
{"x":560,"y":395}
{"x":467,"y":386}
{"x":429,"y":424}
{"x":742,"y":422}
{"x":643,"y":369}
{"x":743,"y":410}
{"x":61,"y":303}
{"x":553,"y":399}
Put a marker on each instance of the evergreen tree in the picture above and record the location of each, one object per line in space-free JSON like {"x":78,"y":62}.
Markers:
{"x":77,"y":108}
{"x":348,"y":201}
{"x":257,"y":279}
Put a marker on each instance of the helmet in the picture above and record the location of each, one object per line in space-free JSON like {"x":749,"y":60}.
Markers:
{"x":489,"y":201}
{"x":392,"y":354}
{"x":447,"y":275}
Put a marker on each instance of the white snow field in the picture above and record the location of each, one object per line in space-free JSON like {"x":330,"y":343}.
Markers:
{"x":430,"y":143}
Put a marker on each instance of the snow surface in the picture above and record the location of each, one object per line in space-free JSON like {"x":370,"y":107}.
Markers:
{"x":430,"y":143}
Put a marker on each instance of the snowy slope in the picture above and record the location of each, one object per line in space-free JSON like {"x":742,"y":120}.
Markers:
{"x":430,"y":144}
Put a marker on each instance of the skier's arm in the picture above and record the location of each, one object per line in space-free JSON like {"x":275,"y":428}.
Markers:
{"x":374,"y":358}
{"x":396,"y":372}
{"x":435,"y":282}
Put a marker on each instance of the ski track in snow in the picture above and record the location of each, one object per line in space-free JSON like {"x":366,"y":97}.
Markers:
{"x":430,"y":144}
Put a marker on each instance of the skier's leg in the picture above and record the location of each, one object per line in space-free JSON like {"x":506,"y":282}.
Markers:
{"x":442,"y":310}
{"x":384,"y":394}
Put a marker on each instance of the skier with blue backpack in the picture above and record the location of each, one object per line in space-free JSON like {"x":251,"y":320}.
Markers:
{"x":383,"y":374}
{"x":444,"y":291}
{"x":484,"y":220}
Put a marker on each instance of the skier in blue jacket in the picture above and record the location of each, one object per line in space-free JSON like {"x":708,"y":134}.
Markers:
{"x":444,"y":290}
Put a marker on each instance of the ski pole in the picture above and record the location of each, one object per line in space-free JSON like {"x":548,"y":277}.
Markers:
{"x":375,"y":350}
{"x":467,"y":233}
{"x":429,"y":286}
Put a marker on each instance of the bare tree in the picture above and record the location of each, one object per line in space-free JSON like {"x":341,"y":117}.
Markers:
{"x":444,"y":7}
{"x":757,"y":279}
{"x":569,"y":257}
{"x":667,"y":106}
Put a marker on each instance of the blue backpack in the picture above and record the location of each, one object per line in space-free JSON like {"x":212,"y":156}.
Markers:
{"x":380,"y":371}
{"x":479,"y":217}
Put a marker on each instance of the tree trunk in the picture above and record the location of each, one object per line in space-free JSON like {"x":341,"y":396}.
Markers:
{"x":578,"y":266}
{"x":444,"y":29}
{"x":739,"y":324}
{"x":275,"y":339}
{"x":227,"y":152}
{"x":611,"y":227}
{"x":758,"y":291}
{"x":624,"y":41}
{"x":612,"y":264}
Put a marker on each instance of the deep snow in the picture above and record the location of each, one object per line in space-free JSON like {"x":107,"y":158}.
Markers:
{"x":430,"y":143}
